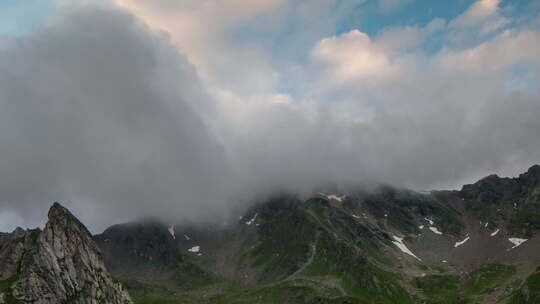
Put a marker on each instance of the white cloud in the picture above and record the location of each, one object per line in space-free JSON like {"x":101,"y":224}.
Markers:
{"x":477,"y":13}
{"x":387,"y":6}
{"x":446,"y":102}
{"x":201,"y":30}
{"x":409,"y":37}
{"x":354,"y":55}
{"x":163,"y":131}
{"x":481,"y":19}
{"x":501,"y":52}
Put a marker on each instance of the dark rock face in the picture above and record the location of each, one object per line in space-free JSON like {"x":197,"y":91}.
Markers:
{"x":147,"y":240}
{"x":507,"y":201}
{"x":129,"y":246}
{"x":492,"y":189}
{"x":12,"y":246}
{"x":531,"y":177}
{"x":61,"y":264}
{"x":495,"y":189}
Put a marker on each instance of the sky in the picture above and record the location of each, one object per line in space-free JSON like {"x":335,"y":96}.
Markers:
{"x":190,"y":110}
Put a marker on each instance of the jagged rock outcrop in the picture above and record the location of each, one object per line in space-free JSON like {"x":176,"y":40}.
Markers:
{"x":12,"y":246}
{"x":494,"y":189}
{"x":61,"y":264}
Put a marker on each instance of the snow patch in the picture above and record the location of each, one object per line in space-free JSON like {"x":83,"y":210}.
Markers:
{"x":457,"y":244}
{"x":336,"y":197}
{"x":435,"y":230}
{"x":194,"y":249}
{"x":171,"y":231}
{"x":429,"y":221}
{"x":399,"y":244}
{"x":421,"y":227}
{"x":485,"y":226}
{"x":444,"y":261}
{"x":355,"y":216}
{"x":495,"y":232}
{"x":332,"y":196}
{"x":251,"y":221}
{"x":516,"y":242}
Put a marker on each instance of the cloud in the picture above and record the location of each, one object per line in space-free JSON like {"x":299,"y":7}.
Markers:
{"x":477,"y":13}
{"x":496,"y":55}
{"x":387,"y":6}
{"x":103,"y":115}
{"x":201,"y":29}
{"x":408,"y":38}
{"x":354,"y":56}
{"x":480,"y":20}
{"x":124,"y":111}
{"x":433,"y":115}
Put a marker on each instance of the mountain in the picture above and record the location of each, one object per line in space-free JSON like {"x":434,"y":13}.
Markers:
{"x":388,"y":245}
{"x":61,"y":264}
{"x":480,"y":244}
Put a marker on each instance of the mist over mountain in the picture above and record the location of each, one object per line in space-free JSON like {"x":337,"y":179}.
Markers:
{"x":269,"y":151}
{"x":126,"y":109}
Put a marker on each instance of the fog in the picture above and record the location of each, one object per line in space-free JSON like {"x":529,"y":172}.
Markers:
{"x":107,"y":115}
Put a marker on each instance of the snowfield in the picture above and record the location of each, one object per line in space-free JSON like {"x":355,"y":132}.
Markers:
{"x":171,"y":231}
{"x":435,"y":230}
{"x":457,"y":244}
{"x":399,"y":244}
{"x":336,"y":197}
{"x":516,"y":242}
{"x":194,"y":249}
{"x":251,"y":221}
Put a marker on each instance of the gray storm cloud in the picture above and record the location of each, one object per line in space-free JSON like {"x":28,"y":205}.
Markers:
{"x":89,"y":117}
{"x":104,"y":114}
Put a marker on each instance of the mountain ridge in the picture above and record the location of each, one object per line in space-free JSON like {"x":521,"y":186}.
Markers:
{"x":479,"y":244}
{"x":335,"y":247}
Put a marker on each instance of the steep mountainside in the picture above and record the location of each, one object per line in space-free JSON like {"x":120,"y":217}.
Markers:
{"x":61,"y":264}
{"x":477,"y":245}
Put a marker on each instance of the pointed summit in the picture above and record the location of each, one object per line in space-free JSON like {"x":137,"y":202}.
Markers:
{"x":64,"y":263}
{"x":65,"y":221}
{"x":58,"y":211}
{"x":56,"y":207}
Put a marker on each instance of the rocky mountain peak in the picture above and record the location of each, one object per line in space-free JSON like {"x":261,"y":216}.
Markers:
{"x":58,"y":211}
{"x":63,"y":228}
{"x":61,"y":264}
{"x":532,"y":176}
{"x":58,"y":215}
{"x":18,"y":232}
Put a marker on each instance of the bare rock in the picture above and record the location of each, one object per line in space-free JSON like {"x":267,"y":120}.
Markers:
{"x":61,"y":264}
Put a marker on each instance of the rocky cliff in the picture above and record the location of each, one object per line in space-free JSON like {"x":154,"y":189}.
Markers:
{"x":61,"y":264}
